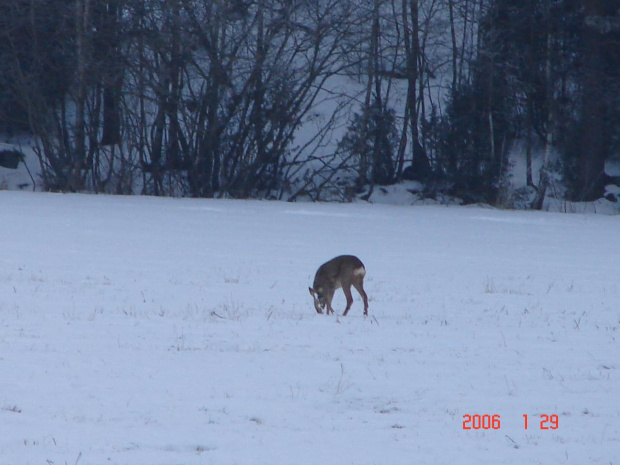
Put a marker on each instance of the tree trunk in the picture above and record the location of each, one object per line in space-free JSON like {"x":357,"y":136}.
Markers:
{"x":528,"y":156}
{"x":543,"y":183}
{"x":593,"y":150}
{"x":111,"y":71}
{"x":410,"y":15}
{"x":455,"y":53}
{"x":82,"y":20}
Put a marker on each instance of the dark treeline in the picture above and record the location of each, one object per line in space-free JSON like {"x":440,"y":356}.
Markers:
{"x":316,"y":98}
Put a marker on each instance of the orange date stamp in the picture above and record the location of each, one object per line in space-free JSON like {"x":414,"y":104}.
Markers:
{"x":487,"y":422}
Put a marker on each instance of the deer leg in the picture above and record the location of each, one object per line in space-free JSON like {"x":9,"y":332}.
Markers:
{"x":328,"y":300}
{"x":360,"y":288}
{"x":347,"y":294}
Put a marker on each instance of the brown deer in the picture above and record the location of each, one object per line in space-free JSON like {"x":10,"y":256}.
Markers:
{"x":340,"y":272}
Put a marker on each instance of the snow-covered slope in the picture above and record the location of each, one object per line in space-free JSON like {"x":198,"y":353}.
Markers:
{"x":139,"y":330}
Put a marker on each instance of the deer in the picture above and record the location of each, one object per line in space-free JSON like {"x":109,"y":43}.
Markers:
{"x":343,"y":272}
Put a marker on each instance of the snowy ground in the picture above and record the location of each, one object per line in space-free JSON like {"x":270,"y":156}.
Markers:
{"x":153,"y":331}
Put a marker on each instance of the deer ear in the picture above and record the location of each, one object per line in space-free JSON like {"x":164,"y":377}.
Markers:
{"x":311,"y":291}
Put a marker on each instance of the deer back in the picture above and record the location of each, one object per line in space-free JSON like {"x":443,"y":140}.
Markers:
{"x":338,"y":272}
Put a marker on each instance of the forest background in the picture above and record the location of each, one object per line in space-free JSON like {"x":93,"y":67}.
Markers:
{"x":318,"y":99}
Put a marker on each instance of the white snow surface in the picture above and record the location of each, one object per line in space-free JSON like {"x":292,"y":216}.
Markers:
{"x":140,"y":330}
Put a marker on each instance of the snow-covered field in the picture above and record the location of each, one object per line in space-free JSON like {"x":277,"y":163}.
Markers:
{"x":140,"y":330}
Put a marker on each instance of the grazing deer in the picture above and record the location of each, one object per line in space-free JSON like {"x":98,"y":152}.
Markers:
{"x":340,"y":272}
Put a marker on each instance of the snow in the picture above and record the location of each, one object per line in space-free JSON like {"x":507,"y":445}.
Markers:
{"x":139,"y":330}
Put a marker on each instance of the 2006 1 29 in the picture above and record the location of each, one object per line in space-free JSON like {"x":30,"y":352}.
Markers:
{"x":494,"y":422}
